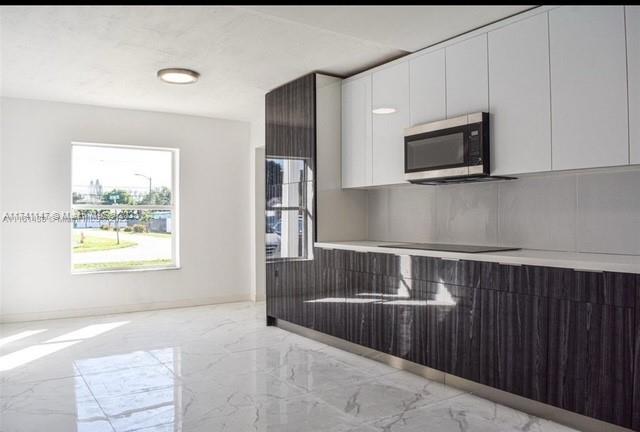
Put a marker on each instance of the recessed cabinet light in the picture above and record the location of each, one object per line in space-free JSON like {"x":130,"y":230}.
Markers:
{"x":178,"y":76}
{"x":384,"y":111}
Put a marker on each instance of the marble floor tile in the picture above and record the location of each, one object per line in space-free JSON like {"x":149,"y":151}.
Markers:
{"x":368,"y":365}
{"x":291,"y":415}
{"x":52,"y":367}
{"x":54,"y":405}
{"x":111,"y":363}
{"x":315,"y":371}
{"x":217,"y":368}
{"x":127,"y":381}
{"x":145,"y":409}
{"x":386,"y":396}
{"x":465,"y":413}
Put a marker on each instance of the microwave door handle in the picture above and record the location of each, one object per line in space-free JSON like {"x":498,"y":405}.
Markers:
{"x":465,"y":145}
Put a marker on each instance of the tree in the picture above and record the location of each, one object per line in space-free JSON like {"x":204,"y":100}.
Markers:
{"x":158,"y":196}
{"x":117,"y":196}
{"x":76,"y":197}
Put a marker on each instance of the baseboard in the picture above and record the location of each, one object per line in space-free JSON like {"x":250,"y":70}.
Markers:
{"x":109,"y":310}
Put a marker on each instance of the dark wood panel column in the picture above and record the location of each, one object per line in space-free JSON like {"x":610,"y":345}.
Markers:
{"x":291,"y":138}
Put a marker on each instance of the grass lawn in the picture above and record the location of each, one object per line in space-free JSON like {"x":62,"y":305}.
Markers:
{"x":120,"y":265}
{"x":93,"y":244}
{"x":152,"y":234}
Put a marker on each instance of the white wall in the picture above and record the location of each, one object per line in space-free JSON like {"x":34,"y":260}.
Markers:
{"x":588,"y":211}
{"x":35,"y":176}
{"x":258,"y":275}
{"x":1,"y":207}
{"x":257,"y":199}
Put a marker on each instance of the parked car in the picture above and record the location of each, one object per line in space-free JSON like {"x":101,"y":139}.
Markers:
{"x":272,"y":241}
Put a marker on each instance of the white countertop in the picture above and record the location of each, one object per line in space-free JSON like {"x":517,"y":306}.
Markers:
{"x":578,"y":261}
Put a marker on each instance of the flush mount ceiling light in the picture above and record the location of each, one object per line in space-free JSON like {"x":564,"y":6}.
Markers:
{"x":383,"y":110}
{"x":178,"y":76}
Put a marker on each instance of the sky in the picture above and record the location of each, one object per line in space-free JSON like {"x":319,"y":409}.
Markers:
{"x":116,"y":168}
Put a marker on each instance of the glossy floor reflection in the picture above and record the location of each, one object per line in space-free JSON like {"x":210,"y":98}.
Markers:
{"x":217,"y":368}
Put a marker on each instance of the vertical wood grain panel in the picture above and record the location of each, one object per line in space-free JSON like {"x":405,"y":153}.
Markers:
{"x":591,"y":350}
{"x":290,"y":134}
{"x":636,"y":364}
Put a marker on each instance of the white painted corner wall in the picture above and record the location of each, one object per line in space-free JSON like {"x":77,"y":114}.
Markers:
{"x":257,"y":199}
{"x":215,"y":214}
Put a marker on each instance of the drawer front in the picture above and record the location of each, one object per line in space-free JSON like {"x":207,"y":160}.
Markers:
{"x":476,"y":274}
{"x":601,"y":288}
{"x":365,"y":262}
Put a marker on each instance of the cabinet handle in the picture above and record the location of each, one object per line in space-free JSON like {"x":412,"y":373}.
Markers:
{"x":449,"y":259}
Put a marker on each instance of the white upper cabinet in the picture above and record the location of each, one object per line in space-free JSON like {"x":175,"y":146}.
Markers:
{"x":427,"y":84}
{"x":390,"y":90}
{"x":633,"y":62}
{"x":356,"y":132}
{"x":562,"y":88}
{"x":519,"y":97}
{"x":588,"y":87}
{"x":467,"y":77}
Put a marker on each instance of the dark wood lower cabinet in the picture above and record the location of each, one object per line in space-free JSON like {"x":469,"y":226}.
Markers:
{"x":290,"y":285}
{"x":636,"y":367}
{"x":514,"y":343}
{"x":458,"y":331}
{"x":329,"y":302}
{"x":424,"y":348}
{"x":399,"y":328}
{"x":364,"y":310}
{"x":591,"y":349}
{"x":274,"y":291}
{"x":566,"y":338}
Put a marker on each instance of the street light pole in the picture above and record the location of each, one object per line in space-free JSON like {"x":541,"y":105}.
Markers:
{"x":147,"y":177}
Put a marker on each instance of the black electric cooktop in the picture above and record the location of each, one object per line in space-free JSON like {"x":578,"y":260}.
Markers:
{"x":449,"y":247}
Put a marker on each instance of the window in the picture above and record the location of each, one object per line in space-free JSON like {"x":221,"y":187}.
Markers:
{"x":289,"y":216}
{"x":124,"y":202}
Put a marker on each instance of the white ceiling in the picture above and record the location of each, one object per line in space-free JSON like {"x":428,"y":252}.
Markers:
{"x":408,"y":28}
{"x":109,"y":55}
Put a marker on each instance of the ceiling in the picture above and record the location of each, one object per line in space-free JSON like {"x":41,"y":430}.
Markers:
{"x":109,"y":55}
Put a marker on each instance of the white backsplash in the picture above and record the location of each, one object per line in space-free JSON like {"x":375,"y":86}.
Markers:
{"x":576,"y":211}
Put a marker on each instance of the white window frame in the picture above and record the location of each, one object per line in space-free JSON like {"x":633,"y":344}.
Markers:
{"x":174,"y":207}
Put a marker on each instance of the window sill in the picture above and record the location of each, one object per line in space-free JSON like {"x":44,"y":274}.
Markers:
{"x":124,"y":270}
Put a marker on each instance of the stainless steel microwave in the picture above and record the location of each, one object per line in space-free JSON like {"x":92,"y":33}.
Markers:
{"x":449,"y":151}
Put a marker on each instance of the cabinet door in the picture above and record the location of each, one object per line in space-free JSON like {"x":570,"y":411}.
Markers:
{"x":519,"y":96}
{"x":591,"y":360}
{"x":363,"y":309}
{"x":427,"y":84}
{"x":514,"y":343}
{"x":588,"y":87}
{"x":467,"y":77}
{"x":356,"y":132}
{"x":274,"y":290}
{"x":329,"y":302}
{"x":636,"y":367}
{"x":633,"y":62}
{"x":459,"y":331}
{"x":290,"y":284}
{"x":390,"y":90}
